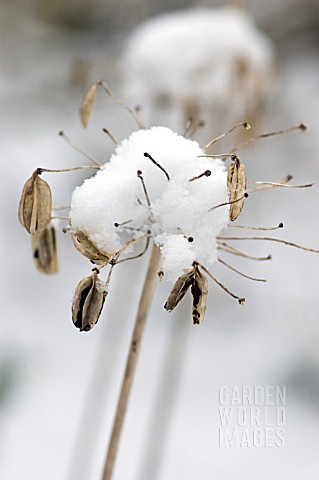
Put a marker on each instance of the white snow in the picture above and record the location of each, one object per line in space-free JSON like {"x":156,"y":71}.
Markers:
{"x":201,"y":56}
{"x":178,"y":207}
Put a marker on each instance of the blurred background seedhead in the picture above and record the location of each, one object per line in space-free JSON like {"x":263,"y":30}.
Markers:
{"x":203,"y":64}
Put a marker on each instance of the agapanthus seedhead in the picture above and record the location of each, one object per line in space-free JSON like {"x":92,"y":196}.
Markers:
{"x":158,"y":187}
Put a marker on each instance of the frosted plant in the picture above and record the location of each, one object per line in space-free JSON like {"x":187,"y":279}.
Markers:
{"x":158,"y":188}
{"x":201,"y":62}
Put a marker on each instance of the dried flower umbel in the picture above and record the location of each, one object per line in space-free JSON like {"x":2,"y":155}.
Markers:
{"x":165,"y":195}
{"x":158,"y":188}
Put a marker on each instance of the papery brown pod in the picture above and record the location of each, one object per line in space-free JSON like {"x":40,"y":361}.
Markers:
{"x":35,"y":204}
{"x":88,"y":104}
{"x":181,"y":286}
{"x":88,"y":302}
{"x":200,"y":292}
{"x":89,"y":250}
{"x":236,"y":184}
{"x":44,"y":249}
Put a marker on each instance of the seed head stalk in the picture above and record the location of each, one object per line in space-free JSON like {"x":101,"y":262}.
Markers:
{"x":135,"y":346}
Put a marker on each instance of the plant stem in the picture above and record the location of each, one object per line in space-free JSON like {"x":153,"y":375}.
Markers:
{"x":135,"y":346}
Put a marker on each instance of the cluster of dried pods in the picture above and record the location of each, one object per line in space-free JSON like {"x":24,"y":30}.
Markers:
{"x":35,"y":214}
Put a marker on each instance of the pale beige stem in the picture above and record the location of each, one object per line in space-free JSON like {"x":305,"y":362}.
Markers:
{"x":136,"y":341}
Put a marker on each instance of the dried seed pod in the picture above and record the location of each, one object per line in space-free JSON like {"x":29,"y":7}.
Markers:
{"x":35,"y":204}
{"x":88,"y":104}
{"x":236,"y":184}
{"x":89,"y":250}
{"x":200,"y":292}
{"x":88,"y":302}
{"x":44,"y":248}
{"x":180,"y":288}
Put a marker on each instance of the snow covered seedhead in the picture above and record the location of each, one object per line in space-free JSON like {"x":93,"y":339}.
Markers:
{"x":158,"y":187}
{"x":199,"y":60}
{"x":132,"y":194}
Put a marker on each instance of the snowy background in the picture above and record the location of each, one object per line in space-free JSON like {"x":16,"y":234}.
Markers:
{"x":58,"y":388}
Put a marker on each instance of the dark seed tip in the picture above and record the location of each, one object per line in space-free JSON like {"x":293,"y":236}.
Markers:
{"x":190,"y":239}
{"x":303,"y":127}
{"x":246,"y":195}
{"x":241,"y":301}
{"x":280,"y":225}
{"x":116,"y":224}
{"x":208,"y":173}
{"x":139,"y":173}
{"x":61,"y":133}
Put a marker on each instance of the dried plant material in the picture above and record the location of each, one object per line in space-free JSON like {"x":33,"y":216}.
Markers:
{"x":112,"y":138}
{"x":225,"y":134}
{"x":269,"y":239}
{"x":224,"y":247}
{"x":88,"y":104}
{"x":241,"y":300}
{"x":133,"y":257}
{"x":207,"y":173}
{"x":276,"y":184}
{"x":200,"y":292}
{"x":160,"y":274}
{"x":229,"y":203}
{"x":241,"y":273}
{"x":180,"y":288}
{"x":301,"y":127}
{"x":133,"y":113}
{"x":284,"y":180}
{"x":79,"y":149}
{"x":35,"y":204}
{"x":280,"y":225}
{"x":236,"y":184}
{"x":147,"y":155}
{"x":89,"y":250}
{"x":45,"y":253}
{"x":88,"y":302}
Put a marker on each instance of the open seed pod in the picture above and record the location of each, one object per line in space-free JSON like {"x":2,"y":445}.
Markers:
{"x":88,"y":302}
{"x":44,"y":249}
{"x":89,"y":250}
{"x":200,"y":292}
{"x":35,"y":204}
{"x":236,"y":184}
{"x":181,"y":286}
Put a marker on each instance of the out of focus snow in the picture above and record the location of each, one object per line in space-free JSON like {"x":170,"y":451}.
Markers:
{"x":201,"y":62}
